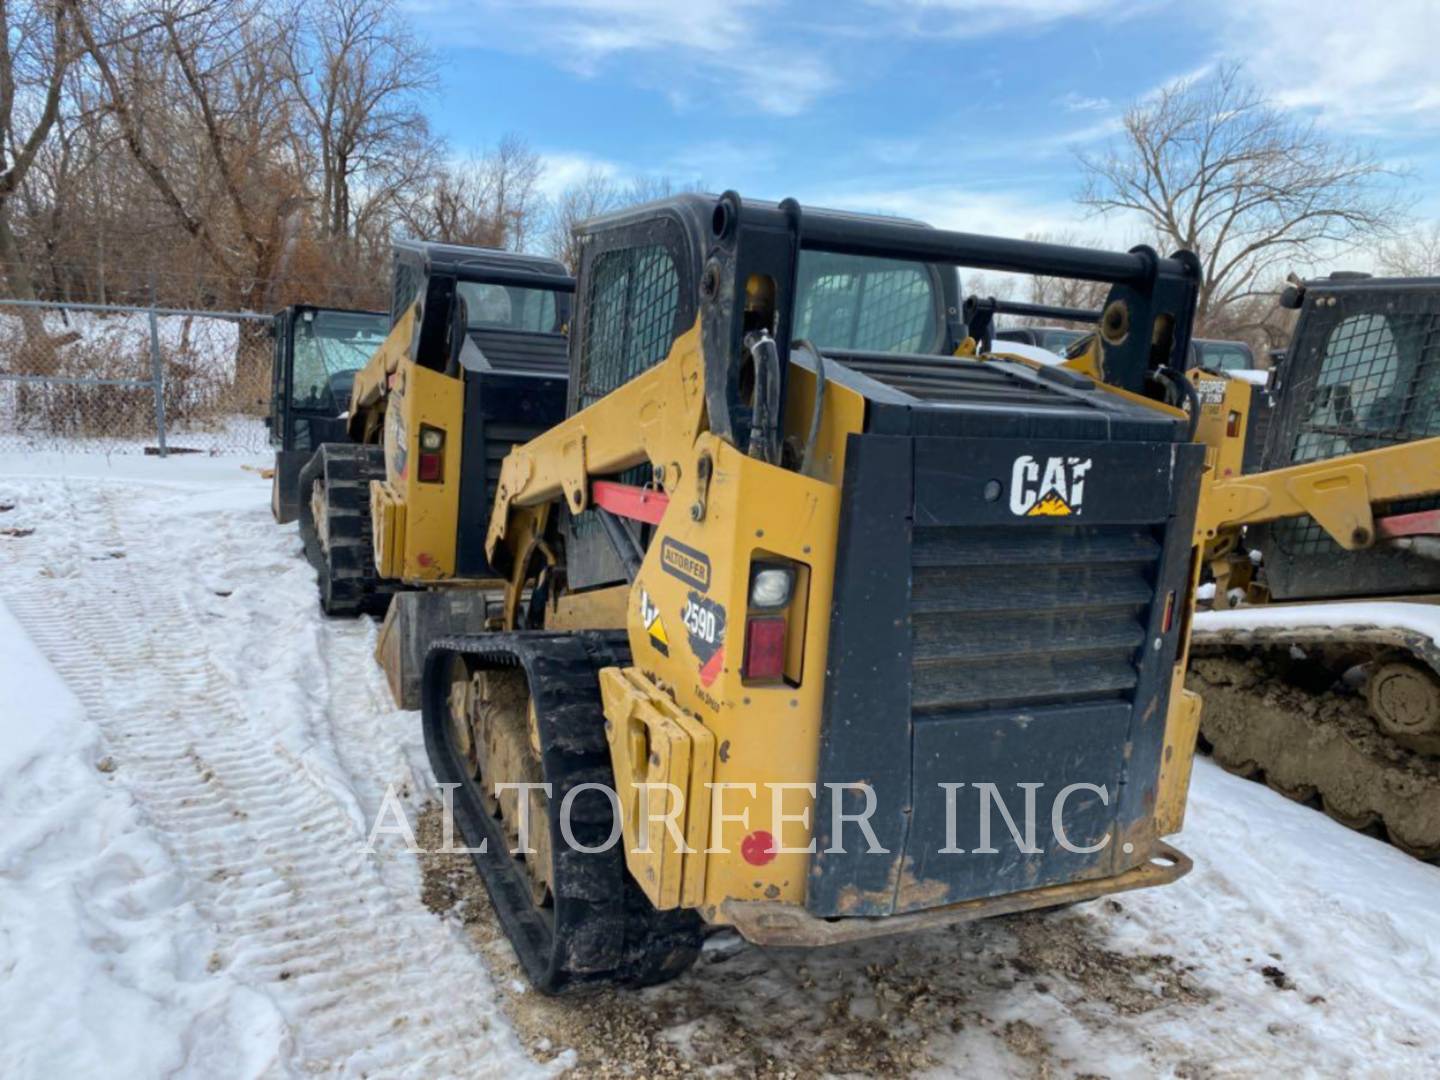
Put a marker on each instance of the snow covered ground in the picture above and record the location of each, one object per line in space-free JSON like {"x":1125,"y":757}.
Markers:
{"x":188,"y":776}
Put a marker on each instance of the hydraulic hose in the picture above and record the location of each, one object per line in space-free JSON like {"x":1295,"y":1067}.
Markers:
{"x":1188,"y":392}
{"x":765,"y":421}
{"x":817,"y":413}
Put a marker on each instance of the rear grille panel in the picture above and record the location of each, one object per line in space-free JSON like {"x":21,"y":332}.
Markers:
{"x":500,"y":439}
{"x":975,"y":644}
{"x":503,"y":409}
{"x":1013,"y":617}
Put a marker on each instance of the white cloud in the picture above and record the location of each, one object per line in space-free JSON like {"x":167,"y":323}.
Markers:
{"x":1076,"y":102}
{"x":980,"y":18}
{"x":560,"y":169}
{"x":1369,"y":68}
{"x":693,"y":51}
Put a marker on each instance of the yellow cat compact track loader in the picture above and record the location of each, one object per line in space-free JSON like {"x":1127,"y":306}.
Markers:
{"x":1321,"y":665}
{"x":393,"y":518}
{"x":794,"y":600}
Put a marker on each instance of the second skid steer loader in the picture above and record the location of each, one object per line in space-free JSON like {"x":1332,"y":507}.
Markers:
{"x":1320,"y":666}
{"x":393,"y":517}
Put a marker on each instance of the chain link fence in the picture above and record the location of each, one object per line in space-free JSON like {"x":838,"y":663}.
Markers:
{"x":112,"y":379}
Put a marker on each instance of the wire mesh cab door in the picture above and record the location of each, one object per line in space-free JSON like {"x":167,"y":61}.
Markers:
{"x":637,"y":296}
{"x":1362,"y":372}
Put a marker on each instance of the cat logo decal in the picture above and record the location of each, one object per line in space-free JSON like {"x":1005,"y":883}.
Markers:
{"x":1054,"y":488}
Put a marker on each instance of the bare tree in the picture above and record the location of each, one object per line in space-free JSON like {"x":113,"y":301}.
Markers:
{"x":1065,"y":292}
{"x":510,"y":189}
{"x":1257,"y":320}
{"x":489,"y":201}
{"x":36,"y":50}
{"x":1212,"y":166}
{"x":1416,"y":254}
{"x":360,"y":77}
{"x":596,"y":193}
{"x":593,"y":194}
{"x":199,"y":95}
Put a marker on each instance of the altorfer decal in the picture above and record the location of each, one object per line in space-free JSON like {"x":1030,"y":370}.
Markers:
{"x":685,"y":563}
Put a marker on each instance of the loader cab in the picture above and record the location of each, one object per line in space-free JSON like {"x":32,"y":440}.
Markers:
{"x":645,"y":268}
{"x":512,"y":309}
{"x":986,"y":562}
{"x":489,"y":349}
{"x":317,"y":353}
{"x":1361,"y":371}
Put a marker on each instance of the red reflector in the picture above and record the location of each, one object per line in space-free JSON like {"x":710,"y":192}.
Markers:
{"x":430,"y":468}
{"x":764,"y":648}
{"x":1169,"y":620}
{"x":1232,"y":424}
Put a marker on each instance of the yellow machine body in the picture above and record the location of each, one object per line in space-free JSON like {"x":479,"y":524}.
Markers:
{"x":723,"y":758}
{"x":790,"y":577}
{"x":415,"y":520}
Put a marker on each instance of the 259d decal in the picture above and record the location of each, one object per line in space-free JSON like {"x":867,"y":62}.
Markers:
{"x":704,"y":622}
{"x":1054,"y":488}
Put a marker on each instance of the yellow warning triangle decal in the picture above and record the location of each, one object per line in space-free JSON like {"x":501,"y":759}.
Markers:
{"x":1052,"y":505}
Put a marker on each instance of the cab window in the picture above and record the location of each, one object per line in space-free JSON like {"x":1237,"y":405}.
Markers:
{"x":508,"y":307}
{"x":633,"y":297}
{"x":867,"y":304}
{"x":327,"y":345}
{"x":1224,"y":356}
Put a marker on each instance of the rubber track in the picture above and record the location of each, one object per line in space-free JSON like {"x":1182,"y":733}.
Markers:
{"x":270,"y":854}
{"x":601,"y":928}
{"x":1302,"y":757}
{"x":345,"y":572}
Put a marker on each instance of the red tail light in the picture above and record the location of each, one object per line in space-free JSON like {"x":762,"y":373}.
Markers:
{"x":1232,"y":424}
{"x":764,"y":647}
{"x":431,"y":466}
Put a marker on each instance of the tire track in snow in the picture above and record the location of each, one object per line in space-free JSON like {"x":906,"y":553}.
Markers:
{"x":270,"y":854}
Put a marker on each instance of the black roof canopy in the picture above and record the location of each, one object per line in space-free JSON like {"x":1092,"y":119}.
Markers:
{"x":487,"y":265}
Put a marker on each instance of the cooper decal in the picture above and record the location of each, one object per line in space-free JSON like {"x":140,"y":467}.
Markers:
{"x":704,"y":622}
{"x":1054,"y":488}
{"x":1211,"y":391}
{"x":654,"y":624}
{"x":685,"y":563}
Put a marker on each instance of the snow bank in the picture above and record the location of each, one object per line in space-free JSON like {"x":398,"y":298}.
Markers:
{"x":103,"y":961}
{"x":1390,"y":615}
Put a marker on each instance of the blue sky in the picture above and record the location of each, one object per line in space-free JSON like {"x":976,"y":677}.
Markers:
{"x":966,"y":113}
